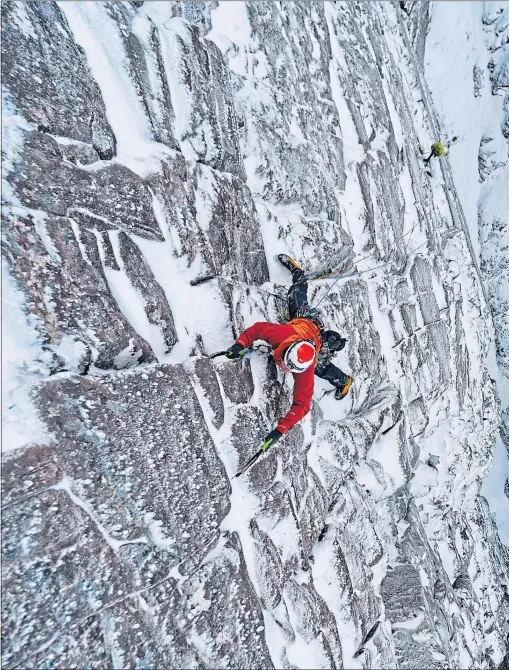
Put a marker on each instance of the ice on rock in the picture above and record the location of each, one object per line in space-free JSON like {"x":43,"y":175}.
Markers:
{"x":156,"y":158}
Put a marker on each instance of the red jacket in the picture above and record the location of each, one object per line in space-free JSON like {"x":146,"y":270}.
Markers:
{"x":304,"y":382}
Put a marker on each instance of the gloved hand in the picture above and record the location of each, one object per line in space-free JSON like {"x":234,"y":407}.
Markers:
{"x":338,"y":345}
{"x":235,"y":351}
{"x":272,"y":438}
{"x":334,"y":340}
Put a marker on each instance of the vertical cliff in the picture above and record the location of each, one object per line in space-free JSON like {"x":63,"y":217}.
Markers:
{"x":156,"y":157}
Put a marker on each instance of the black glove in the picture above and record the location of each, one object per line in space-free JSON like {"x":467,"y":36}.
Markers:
{"x":235,"y":351}
{"x":334,"y":340}
{"x":272,"y":438}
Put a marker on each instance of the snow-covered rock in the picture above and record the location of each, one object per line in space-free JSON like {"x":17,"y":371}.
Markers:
{"x":480,"y":164}
{"x":156,"y":158}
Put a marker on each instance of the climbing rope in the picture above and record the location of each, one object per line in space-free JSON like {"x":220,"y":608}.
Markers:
{"x":324,"y":276}
{"x":358,"y":274}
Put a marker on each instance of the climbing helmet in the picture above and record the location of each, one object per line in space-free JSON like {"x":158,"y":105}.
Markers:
{"x":299,"y":356}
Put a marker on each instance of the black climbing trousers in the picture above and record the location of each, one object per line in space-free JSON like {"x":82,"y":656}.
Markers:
{"x":331,"y":373}
{"x":297,"y":298}
{"x":298,"y":293}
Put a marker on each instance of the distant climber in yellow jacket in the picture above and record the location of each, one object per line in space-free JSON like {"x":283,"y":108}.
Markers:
{"x":437,"y":149}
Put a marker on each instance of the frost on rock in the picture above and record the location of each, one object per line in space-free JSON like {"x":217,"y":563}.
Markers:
{"x":157,"y":156}
{"x":48,"y":77}
{"x":479,"y":163}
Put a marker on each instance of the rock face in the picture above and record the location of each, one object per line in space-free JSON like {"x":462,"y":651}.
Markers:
{"x":493,"y":228}
{"x":483,"y":182}
{"x":361,"y":540}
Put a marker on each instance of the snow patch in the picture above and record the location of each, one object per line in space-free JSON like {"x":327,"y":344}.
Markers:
{"x":22,"y":367}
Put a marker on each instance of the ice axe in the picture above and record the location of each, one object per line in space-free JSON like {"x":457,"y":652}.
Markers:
{"x":257,"y":347}
{"x":254,"y":458}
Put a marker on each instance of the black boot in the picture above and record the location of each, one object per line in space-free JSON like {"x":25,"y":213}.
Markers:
{"x":288,"y":262}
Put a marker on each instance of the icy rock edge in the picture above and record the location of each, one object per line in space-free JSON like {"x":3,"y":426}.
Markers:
{"x":156,"y":158}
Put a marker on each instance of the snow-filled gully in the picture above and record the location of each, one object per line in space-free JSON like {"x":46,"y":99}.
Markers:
{"x":157,"y":157}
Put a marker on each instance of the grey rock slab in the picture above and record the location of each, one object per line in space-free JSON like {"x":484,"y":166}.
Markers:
{"x":149,"y":422}
{"x":401,"y":590}
{"x":28,"y":472}
{"x":268,"y":568}
{"x":212,"y":619}
{"x":57,"y":570}
{"x":312,"y":619}
{"x":207,"y":378}
{"x":411,"y":655}
{"x":326,"y":622}
{"x":199,"y":74}
{"x":248,"y":431}
{"x":406,"y":310}
{"x":136,"y":637}
{"x":76,"y":152}
{"x":112,"y":532}
{"x":237,"y":381}
{"x":156,"y":304}
{"x":417,"y":416}
{"x":369,"y":111}
{"x":296,"y":90}
{"x":357,"y":325}
{"x":108,"y":258}
{"x":340,"y":578}
{"x":86,"y":641}
{"x":417,"y":17}
{"x":312,"y":514}
{"x":47,"y":256}
{"x":421,"y":278}
{"x":227,"y":215}
{"x":388,"y":205}
{"x":145,"y":64}
{"x":234,"y":620}
{"x":343,"y":448}
{"x":48,"y":77}
{"x":112,"y":192}
{"x":462,"y":362}
{"x":217,"y":616}
{"x":358,"y":518}
{"x":174,"y":190}
{"x":275,"y":506}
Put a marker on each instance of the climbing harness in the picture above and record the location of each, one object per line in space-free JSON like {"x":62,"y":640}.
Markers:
{"x":312,"y":314}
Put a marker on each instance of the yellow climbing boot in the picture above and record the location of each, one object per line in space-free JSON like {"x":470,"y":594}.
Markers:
{"x":341,"y":393}
{"x":288,"y":262}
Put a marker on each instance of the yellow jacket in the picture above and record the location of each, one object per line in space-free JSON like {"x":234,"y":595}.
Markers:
{"x":437,"y":149}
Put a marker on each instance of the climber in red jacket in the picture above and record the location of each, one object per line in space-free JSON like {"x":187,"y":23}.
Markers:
{"x":297,"y":349}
